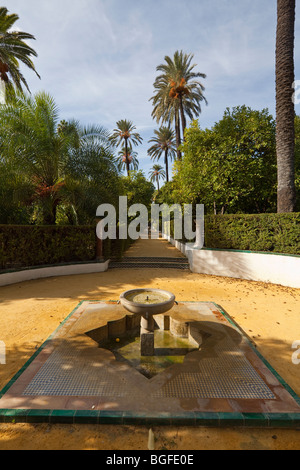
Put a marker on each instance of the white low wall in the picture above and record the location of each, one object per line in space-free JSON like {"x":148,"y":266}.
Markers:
{"x":39,"y":273}
{"x":264,"y":267}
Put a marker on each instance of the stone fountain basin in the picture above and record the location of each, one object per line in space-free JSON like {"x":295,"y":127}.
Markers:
{"x":160,"y":301}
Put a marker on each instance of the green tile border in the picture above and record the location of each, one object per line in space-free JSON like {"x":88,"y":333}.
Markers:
{"x":232,"y":250}
{"x":198,"y":419}
{"x":126,"y":418}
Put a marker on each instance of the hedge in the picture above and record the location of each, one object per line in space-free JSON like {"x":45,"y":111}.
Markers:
{"x":277,"y":233}
{"x":30,"y":246}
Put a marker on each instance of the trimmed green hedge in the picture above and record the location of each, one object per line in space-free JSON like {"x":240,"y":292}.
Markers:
{"x":28,"y":246}
{"x":24,"y":246}
{"x":278,"y":233}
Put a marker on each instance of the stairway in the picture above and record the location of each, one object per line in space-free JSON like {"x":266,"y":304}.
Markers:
{"x":147,"y":262}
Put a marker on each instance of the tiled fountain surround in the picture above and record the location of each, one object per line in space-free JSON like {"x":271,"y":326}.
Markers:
{"x":226,"y":382}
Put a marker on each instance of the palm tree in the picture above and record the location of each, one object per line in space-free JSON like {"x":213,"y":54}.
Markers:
{"x":131,"y":157}
{"x":156,"y":173}
{"x":124,"y":135}
{"x":164,"y":143}
{"x":13,"y":50}
{"x":33,"y":140}
{"x":285,"y":108}
{"x":177,"y":92}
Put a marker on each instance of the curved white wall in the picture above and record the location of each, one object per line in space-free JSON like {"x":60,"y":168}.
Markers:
{"x":264,"y":267}
{"x":39,"y":273}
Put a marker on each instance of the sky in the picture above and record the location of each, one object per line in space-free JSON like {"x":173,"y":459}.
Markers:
{"x":98,"y":58}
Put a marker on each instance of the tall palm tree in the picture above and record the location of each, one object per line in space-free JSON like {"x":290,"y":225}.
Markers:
{"x":131,"y":157}
{"x":156,"y":173}
{"x":164,"y":143}
{"x":178,"y":93}
{"x":13,"y":50}
{"x":285,"y":108}
{"x":124,"y":135}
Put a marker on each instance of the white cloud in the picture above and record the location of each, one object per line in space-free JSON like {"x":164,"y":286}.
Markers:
{"x":98,"y":58}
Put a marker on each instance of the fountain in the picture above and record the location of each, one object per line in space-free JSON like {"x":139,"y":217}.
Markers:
{"x":147,"y":303}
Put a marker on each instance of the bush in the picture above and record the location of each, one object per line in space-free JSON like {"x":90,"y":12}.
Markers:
{"x":45,"y":245}
{"x":278,"y":233}
{"x":29,"y":246}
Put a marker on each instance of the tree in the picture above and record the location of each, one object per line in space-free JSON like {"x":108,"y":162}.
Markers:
{"x":92,"y":179}
{"x":13,"y":50}
{"x":131,"y":158}
{"x":285,"y":109}
{"x":297,"y":161}
{"x":156,"y":173}
{"x":231,"y":167}
{"x":137,"y":189}
{"x":177,"y":92}
{"x":15,"y":193}
{"x":164,"y":143}
{"x":124,"y":135}
{"x":46,"y":152}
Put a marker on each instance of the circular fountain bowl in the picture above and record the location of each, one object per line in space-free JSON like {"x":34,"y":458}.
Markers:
{"x":150,"y":301}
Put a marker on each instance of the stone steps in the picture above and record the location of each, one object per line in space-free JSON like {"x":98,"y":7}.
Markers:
{"x":153,"y":262}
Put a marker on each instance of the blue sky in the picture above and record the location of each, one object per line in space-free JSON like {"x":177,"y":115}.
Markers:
{"x":98,"y":58}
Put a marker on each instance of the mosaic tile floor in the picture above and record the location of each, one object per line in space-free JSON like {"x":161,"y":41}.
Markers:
{"x":224,"y":382}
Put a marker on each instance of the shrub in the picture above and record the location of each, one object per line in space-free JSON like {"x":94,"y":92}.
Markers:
{"x":278,"y":233}
{"x":43,"y":245}
{"x":28,"y":246}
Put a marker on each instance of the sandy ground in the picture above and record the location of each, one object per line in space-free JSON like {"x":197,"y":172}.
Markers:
{"x":31,"y":311}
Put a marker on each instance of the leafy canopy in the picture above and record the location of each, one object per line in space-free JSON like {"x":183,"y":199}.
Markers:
{"x":231,"y":166}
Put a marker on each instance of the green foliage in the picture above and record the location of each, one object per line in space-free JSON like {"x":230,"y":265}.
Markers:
{"x":163,"y":144}
{"x":156,"y":173}
{"x":231,"y":167}
{"x":43,"y":245}
{"x":131,"y":158}
{"x":13,"y":50}
{"x":91,"y":179}
{"x":278,"y":233}
{"x":166,"y":195}
{"x":125,"y":136}
{"x":297,"y":161}
{"x":32,"y":246}
{"x":177,"y":90}
{"x":114,"y":249}
{"x":138,"y":189}
{"x":14,"y":192}
{"x":69,"y":170}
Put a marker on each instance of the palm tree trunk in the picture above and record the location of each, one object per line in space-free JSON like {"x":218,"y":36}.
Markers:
{"x":167,"y":165}
{"x":49,"y":213}
{"x":177,"y":131}
{"x":285,"y":108}
{"x":157,"y":181}
{"x":126,"y":154}
{"x":183,"y":120}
